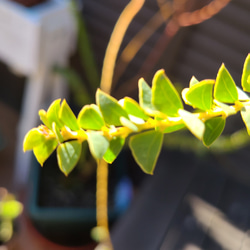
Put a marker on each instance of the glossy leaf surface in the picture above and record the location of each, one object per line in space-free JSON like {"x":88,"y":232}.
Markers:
{"x":213,"y":129}
{"x":115,"y":147}
{"x":133,"y":108}
{"x":98,"y":144}
{"x":90,"y":117}
{"x":200,"y":95}
{"x":44,"y":150}
{"x":68,"y":154}
{"x":194,"y":124}
{"x":225,"y":88}
{"x":67,"y":116}
{"x":245,"y":80}
{"x":146,"y":148}
{"x":245,"y":114}
{"x":110,"y":108}
{"x":165,"y":97}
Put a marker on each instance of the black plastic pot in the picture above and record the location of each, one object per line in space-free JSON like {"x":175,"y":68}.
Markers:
{"x":71,"y":224}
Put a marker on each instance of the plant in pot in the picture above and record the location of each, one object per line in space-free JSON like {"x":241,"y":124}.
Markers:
{"x":106,"y":125}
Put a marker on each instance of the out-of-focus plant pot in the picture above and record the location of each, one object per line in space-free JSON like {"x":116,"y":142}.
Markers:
{"x":70,"y":224}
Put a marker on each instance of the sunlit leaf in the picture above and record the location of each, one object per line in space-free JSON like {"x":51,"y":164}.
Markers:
{"x":98,"y":144}
{"x":145,"y":96}
{"x":90,"y":117}
{"x":146,"y":148}
{"x":111,"y":110}
{"x":127,"y":123}
{"x":56,"y":131}
{"x":44,"y":150}
{"x":68,"y":155}
{"x":165,"y":97}
{"x":245,"y":114}
{"x":174,"y":128}
{"x":227,"y":109}
{"x":67,"y":116}
{"x":193,"y":81}
{"x":245,"y":80}
{"x":43,"y":117}
{"x":193,"y":123}
{"x":53,"y":113}
{"x":133,"y":108}
{"x":225,"y":88}
{"x":213,"y":129}
{"x":32,"y":139}
{"x":115,"y":147}
{"x":200,"y":95}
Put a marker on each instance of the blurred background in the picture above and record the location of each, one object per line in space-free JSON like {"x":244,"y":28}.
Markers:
{"x":208,"y":204}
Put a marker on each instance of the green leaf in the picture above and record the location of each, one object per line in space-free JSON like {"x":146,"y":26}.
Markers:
{"x":32,"y":139}
{"x":146,"y":148}
{"x":133,"y":108}
{"x":98,"y":144}
{"x":193,"y":81}
{"x":245,"y":80}
{"x":90,"y":117}
{"x":165,"y":97}
{"x":44,"y":150}
{"x":67,"y":116}
{"x":68,"y":155}
{"x":43,"y":117}
{"x":115,"y":147}
{"x":245,"y":114}
{"x":57,"y":132}
{"x":227,"y":109}
{"x":213,"y":129}
{"x":225,"y":89}
{"x":10,"y":209}
{"x":200,"y":95}
{"x":53,"y":113}
{"x":111,"y":110}
{"x":145,"y":96}
{"x":193,"y":123}
{"x":174,"y":128}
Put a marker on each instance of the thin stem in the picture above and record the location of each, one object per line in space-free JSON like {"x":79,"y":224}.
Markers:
{"x":116,"y":38}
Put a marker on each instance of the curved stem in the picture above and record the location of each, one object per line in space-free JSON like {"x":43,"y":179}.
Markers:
{"x":114,"y":44}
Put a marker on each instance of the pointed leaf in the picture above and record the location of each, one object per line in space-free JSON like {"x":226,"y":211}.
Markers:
{"x":146,"y":148}
{"x":193,"y":81}
{"x":53,"y":113}
{"x":200,"y":95}
{"x":44,"y":150}
{"x":32,"y":139}
{"x":67,"y":116}
{"x":225,"y":89}
{"x":68,"y":155}
{"x":115,"y":147}
{"x":214,"y":128}
{"x":245,"y":114}
{"x":193,"y":123}
{"x":174,"y":128}
{"x":43,"y":117}
{"x":227,"y":109}
{"x":111,"y":110}
{"x":245,"y":80}
{"x":145,"y":96}
{"x":98,"y":144}
{"x":56,"y":131}
{"x":133,"y":108}
{"x":165,"y":97}
{"x":90,"y":117}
